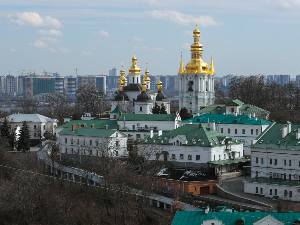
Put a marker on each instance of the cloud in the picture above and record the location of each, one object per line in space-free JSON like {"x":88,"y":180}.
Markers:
{"x":51,"y":32}
{"x":13,"y":50}
{"x":52,"y":50}
{"x":34,"y":19}
{"x":63,"y":50}
{"x":39,"y":44}
{"x":135,"y":39}
{"x":103,"y":33}
{"x":116,"y":46}
{"x":188,"y":32}
{"x":286,"y":4}
{"x":183,"y":19}
{"x":186,"y":46}
{"x":49,"y":39}
{"x":86,"y":53}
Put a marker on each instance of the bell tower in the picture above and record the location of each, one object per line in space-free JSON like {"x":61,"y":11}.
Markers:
{"x":196,"y":81}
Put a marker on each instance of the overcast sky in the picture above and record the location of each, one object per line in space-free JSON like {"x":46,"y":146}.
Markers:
{"x":246,"y":37}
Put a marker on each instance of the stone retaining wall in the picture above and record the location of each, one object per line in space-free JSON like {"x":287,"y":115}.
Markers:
{"x":231,"y":175}
{"x":225,"y":194}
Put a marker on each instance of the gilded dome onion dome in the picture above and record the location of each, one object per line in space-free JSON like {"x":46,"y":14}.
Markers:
{"x":134,"y":69}
{"x":146,"y":78}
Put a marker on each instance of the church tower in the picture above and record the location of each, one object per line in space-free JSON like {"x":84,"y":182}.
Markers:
{"x":196,"y":81}
{"x":134,"y":75}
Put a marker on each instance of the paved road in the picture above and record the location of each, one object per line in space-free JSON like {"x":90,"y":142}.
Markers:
{"x":236,"y":186}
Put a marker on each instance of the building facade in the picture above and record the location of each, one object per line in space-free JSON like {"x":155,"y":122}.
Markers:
{"x":275,"y":163}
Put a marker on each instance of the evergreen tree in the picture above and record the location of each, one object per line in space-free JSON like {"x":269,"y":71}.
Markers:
{"x":5,"y":129}
{"x":156,"y":109}
{"x":184,"y":114}
{"x":24,"y":139}
{"x":12,"y":140}
{"x":163,"y":109}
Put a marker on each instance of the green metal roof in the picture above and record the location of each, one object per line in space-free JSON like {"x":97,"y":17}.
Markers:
{"x":228,"y":161}
{"x":228,"y":119}
{"x":118,"y":109}
{"x":221,"y":108}
{"x":274,"y":181}
{"x":235,"y":102}
{"x":147,"y":117}
{"x":230,"y":218}
{"x":112,"y":124}
{"x":88,"y":132}
{"x":194,"y":134}
{"x":272,"y":138}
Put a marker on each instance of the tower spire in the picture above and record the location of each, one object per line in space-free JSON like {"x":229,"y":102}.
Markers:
{"x":181,"y":68}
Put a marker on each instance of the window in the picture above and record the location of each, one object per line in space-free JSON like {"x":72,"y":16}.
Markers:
{"x":270,"y":174}
{"x":84,"y":142}
{"x":91,"y":142}
{"x":251,"y":131}
{"x":189,"y":157}
{"x":224,"y":156}
{"x":197,"y":157}
{"x":173,"y":156}
{"x":34,"y":127}
{"x":243,"y":131}
{"x":117,"y":143}
{"x":181,"y":156}
{"x":219,"y":157}
{"x":270,"y":191}
{"x":290,"y":176}
{"x":275,"y":191}
{"x":34,"y":134}
{"x":261,"y":191}
{"x":214,"y":158}
{"x":275,"y":162}
{"x":285,"y":193}
{"x":228,"y":130}
{"x":66,"y":140}
{"x":117,"y":153}
{"x":262,"y":160}
{"x":141,"y":108}
{"x":270,"y":161}
{"x":256,"y":131}
{"x":222,"y":132}
{"x":290,"y":162}
{"x":284,"y":162}
{"x":97,"y":143}
{"x":256,"y":190}
{"x":291,"y":194}
{"x":78,"y":141}
{"x":232,"y":110}
{"x":256,"y":159}
{"x":133,"y":127}
{"x":117,"y":134}
{"x":138,"y":136}
{"x":235,"y":131}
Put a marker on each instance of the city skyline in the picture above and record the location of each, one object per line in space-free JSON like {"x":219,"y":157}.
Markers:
{"x":257,"y":37}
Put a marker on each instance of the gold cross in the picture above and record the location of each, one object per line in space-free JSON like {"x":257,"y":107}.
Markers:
{"x":122,"y":65}
{"x":146,"y":65}
{"x":134,"y":50}
{"x":196,"y":22}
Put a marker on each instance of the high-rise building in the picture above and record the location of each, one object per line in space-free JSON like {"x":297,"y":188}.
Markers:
{"x":59,"y":84}
{"x":98,"y":80}
{"x":71,"y":86}
{"x":113,"y":72}
{"x":196,"y":82}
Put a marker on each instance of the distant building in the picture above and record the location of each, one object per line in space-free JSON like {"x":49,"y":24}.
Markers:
{"x":71,"y":86}
{"x":113,"y":72}
{"x":39,"y":85}
{"x":98,"y":80}
{"x":37,"y":124}
{"x":282,"y":79}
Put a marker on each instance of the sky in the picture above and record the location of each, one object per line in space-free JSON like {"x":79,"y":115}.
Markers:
{"x":243,"y":37}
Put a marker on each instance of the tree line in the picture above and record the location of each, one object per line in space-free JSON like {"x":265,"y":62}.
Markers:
{"x":283,"y":102}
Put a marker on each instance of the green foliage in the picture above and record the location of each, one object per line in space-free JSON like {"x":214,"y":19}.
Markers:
{"x":184,"y":114}
{"x":163,"y":109}
{"x":12,"y":140}
{"x":156,"y":109}
{"x":24,"y":139}
{"x":5,"y":129}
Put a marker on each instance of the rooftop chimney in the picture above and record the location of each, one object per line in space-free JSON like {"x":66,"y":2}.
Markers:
{"x":92,"y":126}
{"x":151,"y":133}
{"x":106,"y":127}
{"x":298,"y":134}
{"x":159,"y":132}
{"x":253,"y":115}
{"x":249,"y":115}
{"x":190,"y":121}
{"x":206,"y":210}
{"x":289,"y":126}
{"x":284,"y":131}
{"x":73,"y":127}
{"x":212,"y":125}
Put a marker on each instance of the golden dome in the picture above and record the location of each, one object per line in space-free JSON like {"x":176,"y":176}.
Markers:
{"x":146,"y":78}
{"x":123,"y":78}
{"x":144,"y":86}
{"x":159,"y":84}
{"x":134,"y":69}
